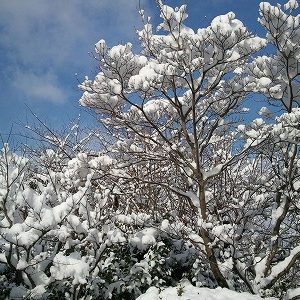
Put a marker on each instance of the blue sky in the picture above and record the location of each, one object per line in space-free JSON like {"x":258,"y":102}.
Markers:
{"x":44,"y":43}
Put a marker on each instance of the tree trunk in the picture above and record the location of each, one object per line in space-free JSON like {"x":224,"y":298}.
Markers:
{"x":207,"y":242}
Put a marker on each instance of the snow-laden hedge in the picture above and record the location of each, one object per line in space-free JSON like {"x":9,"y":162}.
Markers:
{"x":61,"y":236}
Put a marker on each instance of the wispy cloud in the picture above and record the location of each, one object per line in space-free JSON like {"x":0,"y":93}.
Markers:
{"x":43,"y":41}
{"x":44,"y":87}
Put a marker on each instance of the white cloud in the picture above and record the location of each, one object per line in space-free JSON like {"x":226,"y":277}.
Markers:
{"x":54,"y":37}
{"x":43,"y":87}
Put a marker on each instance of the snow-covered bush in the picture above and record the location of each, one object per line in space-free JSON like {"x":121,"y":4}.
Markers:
{"x":62,"y":237}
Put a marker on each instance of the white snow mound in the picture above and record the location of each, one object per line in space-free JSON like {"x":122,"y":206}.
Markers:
{"x":186,"y":291}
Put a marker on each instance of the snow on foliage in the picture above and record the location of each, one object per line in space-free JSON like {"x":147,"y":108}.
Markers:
{"x":72,"y":266}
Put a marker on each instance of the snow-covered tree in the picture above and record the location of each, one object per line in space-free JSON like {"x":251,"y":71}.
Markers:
{"x":277,"y":77}
{"x":172,"y":108}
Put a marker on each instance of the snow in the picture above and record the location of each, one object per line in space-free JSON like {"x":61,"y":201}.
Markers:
{"x":165,"y":225}
{"x":277,"y":213}
{"x":116,"y":236}
{"x":281,"y":266}
{"x":296,"y":185}
{"x":291,"y":4}
{"x":264,"y":111}
{"x":224,"y":24}
{"x":29,"y":237}
{"x":292,"y":294}
{"x":264,"y":81}
{"x":21,"y":265}
{"x":103,"y":161}
{"x":186,"y":291}
{"x":151,"y":294}
{"x":100,"y":47}
{"x":119,"y":50}
{"x":194,"y":198}
{"x":213,"y":172}
{"x":70,"y":266}
{"x":38,"y":292}
{"x":222,"y":231}
{"x":3,"y":258}
{"x":241,"y":128}
{"x":276,"y":91}
{"x":66,"y":220}
{"x":144,"y":239}
{"x":195,"y":238}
